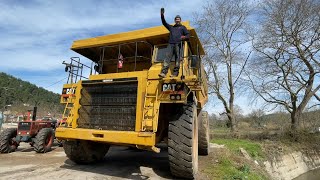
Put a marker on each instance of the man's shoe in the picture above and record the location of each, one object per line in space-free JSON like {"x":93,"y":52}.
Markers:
{"x":162,"y":75}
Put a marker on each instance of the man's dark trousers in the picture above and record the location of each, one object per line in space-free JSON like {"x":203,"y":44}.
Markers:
{"x":175,"y":50}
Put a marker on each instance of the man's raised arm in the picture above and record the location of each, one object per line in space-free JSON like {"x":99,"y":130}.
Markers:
{"x":164,"y":22}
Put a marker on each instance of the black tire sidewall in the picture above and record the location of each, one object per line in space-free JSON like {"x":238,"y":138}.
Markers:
{"x":183,"y":143}
{"x":85,"y":152}
{"x":5,"y":138}
{"x":204,"y":135}
{"x":40,"y":145}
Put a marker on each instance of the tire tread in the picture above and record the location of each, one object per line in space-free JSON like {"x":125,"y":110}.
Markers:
{"x":180,"y":142}
{"x":39,"y":142}
{"x":5,"y":137}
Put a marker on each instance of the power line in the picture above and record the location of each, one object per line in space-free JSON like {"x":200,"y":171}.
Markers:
{"x":56,"y":82}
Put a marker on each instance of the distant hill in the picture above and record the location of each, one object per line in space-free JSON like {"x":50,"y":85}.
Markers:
{"x":23,"y":95}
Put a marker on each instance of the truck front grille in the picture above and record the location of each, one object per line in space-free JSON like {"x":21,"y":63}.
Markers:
{"x":108,"y":106}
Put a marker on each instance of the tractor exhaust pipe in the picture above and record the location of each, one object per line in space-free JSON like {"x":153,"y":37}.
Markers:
{"x":34,"y":115}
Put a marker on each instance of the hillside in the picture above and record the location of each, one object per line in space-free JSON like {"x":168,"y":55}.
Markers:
{"x":23,"y":95}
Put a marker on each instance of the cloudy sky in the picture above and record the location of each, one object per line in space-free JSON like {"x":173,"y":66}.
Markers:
{"x":36,"y":35}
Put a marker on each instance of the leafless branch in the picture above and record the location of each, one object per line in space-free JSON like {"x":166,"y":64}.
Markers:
{"x":287,"y":47}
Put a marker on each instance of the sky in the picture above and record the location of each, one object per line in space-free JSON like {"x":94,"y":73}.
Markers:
{"x":36,"y":36}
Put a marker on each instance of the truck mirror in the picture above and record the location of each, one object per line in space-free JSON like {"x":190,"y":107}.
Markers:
{"x":194,"y":61}
{"x":66,"y":69}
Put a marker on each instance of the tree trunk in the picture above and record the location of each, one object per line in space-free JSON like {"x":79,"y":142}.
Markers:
{"x":232,"y":122}
{"x":295,"y":120}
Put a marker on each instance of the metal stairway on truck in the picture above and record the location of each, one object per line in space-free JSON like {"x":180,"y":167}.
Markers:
{"x":150,"y":101}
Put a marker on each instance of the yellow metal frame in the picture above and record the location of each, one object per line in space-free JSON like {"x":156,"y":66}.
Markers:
{"x":131,"y":36}
{"x":67,"y":86}
{"x":112,"y":137}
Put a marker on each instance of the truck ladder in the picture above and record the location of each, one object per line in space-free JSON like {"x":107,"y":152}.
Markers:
{"x":68,"y":113}
{"x":148,"y":110}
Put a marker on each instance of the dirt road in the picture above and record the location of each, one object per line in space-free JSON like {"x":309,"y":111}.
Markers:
{"x":119,"y":163}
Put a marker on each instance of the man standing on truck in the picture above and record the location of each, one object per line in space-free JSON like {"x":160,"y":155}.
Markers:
{"x":178,"y":33}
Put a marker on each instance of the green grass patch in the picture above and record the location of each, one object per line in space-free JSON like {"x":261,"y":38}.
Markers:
{"x":254,"y":149}
{"x":227,"y":170}
{"x":220,"y":130}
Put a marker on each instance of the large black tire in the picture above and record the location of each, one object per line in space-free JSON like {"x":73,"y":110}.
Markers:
{"x":183,"y":143}
{"x":85,"y":152}
{"x":203,"y":133}
{"x":44,"y":140}
{"x":7,"y":141}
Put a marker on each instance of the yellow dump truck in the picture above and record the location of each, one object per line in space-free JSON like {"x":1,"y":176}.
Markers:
{"x":124,"y":102}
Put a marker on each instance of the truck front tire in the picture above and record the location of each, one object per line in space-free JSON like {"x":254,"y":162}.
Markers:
{"x":183,"y":143}
{"x":85,"y":152}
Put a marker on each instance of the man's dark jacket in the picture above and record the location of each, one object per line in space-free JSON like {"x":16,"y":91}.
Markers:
{"x":176,"y":31}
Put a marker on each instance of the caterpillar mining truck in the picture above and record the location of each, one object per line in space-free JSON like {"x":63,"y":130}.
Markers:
{"x":124,"y":102}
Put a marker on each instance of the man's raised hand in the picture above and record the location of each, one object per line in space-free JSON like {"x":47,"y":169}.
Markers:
{"x":162,"y":10}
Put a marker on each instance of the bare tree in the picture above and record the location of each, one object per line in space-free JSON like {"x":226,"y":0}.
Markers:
{"x":222,"y":27}
{"x":286,"y":67}
{"x":258,"y":117}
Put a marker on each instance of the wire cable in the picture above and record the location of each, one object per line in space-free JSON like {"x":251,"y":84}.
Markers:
{"x":56,"y":82}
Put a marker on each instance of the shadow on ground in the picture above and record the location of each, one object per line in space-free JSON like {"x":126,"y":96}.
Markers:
{"x":25,"y":147}
{"x":130,"y":163}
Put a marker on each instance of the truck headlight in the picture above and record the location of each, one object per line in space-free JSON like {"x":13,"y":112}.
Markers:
{"x":178,"y":97}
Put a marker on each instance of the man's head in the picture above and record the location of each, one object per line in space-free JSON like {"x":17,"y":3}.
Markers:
{"x":177,"y":19}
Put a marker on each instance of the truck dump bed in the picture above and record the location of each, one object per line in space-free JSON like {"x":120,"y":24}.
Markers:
{"x":91,"y":47}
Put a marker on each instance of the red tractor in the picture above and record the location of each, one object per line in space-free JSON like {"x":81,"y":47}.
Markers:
{"x":39,"y":133}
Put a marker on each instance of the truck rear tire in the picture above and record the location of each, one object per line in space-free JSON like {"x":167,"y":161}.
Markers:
{"x":44,"y":140}
{"x":85,"y":152}
{"x":7,"y":141}
{"x":204,"y":136}
{"x":183,"y":143}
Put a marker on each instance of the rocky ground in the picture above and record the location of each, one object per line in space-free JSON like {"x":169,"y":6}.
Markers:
{"x":119,"y":163}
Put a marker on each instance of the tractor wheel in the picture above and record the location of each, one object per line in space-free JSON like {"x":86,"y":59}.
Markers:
{"x":85,"y":152}
{"x":44,"y":140}
{"x":203,"y":133}
{"x":183,"y":143}
{"x":7,"y":140}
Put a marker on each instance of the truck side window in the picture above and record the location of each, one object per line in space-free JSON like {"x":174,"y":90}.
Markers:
{"x":162,"y":53}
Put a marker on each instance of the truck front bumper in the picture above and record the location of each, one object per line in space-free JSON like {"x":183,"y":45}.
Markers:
{"x":107,"y":136}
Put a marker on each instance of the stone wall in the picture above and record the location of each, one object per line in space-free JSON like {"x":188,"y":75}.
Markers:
{"x":289,"y":166}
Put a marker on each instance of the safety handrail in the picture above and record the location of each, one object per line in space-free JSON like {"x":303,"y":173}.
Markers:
{"x":75,"y":70}
{"x":103,"y":48}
